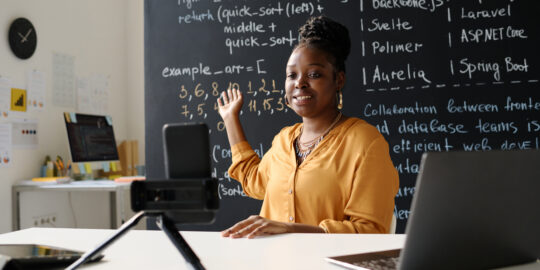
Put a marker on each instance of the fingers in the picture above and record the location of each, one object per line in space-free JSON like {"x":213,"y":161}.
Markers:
{"x":225,"y":97}
{"x":229,"y":95}
{"x":246,"y":230}
{"x":269,"y":227}
{"x":234,"y":230}
{"x":219,"y":102}
{"x":236,"y":94}
{"x":255,"y":226}
{"x":259,"y":231}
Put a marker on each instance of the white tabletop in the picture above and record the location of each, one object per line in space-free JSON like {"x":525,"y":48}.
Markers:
{"x":98,"y":185}
{"x":152,"y":249}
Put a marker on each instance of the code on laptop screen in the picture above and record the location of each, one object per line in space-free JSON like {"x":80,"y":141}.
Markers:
{"x":91,"y":137}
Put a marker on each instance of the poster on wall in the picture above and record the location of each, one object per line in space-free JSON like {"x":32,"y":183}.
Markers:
{"x":63,"y":80}
{"x":92,"y":94}
{"x":18,"y":99}
{"x":35,"y":81}
{"x":24,"y":133}
{"x":5,"y":97}
{"x":5,"y":145}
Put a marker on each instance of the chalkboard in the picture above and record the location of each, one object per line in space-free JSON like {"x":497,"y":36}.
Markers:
{"x":432,"y":75}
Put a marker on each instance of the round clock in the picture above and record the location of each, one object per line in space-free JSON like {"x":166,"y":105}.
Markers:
{"x":22,"y":38}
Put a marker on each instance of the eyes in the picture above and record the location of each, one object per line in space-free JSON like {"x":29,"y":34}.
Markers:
{"x":311,"y":75}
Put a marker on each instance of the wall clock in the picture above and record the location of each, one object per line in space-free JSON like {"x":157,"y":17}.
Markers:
{"x":22,"y":38}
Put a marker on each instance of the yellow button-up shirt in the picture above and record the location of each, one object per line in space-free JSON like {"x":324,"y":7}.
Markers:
{"x":346,"y":185}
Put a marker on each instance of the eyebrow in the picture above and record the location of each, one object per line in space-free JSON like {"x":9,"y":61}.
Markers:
{"x":313,"y":64}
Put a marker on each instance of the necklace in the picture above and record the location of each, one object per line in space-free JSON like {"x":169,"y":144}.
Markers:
{"x":305,"y":148}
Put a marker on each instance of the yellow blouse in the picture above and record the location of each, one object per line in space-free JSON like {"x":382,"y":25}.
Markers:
{"x":346,"y":185}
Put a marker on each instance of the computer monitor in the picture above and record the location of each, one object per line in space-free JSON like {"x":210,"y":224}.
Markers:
{"x":91,"y":137}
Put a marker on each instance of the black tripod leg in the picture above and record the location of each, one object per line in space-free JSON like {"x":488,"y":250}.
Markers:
{"x":94,"y":253}
{"x":174,"y":235}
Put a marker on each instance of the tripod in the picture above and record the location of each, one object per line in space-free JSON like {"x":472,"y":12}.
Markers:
{"x":163,"y":222}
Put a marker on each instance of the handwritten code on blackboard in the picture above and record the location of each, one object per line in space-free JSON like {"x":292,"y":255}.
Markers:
{"x":431,"y":75}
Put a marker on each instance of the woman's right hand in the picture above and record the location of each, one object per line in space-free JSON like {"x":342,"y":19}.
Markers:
{"x":231,"y":104}
{"x":256,"y":226}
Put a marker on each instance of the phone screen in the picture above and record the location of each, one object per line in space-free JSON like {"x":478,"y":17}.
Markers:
{"x":29,"y":256}
{"x":28,"y":251}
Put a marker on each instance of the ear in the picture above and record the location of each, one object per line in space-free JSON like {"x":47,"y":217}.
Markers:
{"x":340,"y":79}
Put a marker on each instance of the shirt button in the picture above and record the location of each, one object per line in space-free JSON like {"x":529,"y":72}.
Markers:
{"x":291,"y":218}
{"x":290,"y":191}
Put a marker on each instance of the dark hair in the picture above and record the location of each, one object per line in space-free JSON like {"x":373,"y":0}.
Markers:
{"x":327,"y":35}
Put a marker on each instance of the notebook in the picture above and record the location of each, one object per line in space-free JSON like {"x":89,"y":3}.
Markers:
{"x":471,"y":210}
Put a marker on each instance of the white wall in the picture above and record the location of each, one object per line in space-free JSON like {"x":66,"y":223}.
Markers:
{"x":105,"y":37}
{"x":134,"y":29}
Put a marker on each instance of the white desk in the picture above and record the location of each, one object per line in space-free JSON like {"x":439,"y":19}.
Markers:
{"x":118,"y":196}
{"x":152,"y":249}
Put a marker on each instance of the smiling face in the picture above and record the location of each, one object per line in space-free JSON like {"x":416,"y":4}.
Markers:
{"x":312,"y":83}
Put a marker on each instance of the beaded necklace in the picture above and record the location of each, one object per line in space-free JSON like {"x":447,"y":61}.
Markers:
{"x":304,"y":149}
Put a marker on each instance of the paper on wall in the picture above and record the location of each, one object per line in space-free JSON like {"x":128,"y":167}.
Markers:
{"x":63,"y":84}
{"x":36,"y":90}
{"x":5,"y":145}
{"x":101,"y":93}
{"x":5,"y":97}
{"x":92,"y":94}
{"x":83,"y":96}
{"x":24,"y":133}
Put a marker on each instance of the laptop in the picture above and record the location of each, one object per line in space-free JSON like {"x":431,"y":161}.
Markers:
{"x":471,"y":210}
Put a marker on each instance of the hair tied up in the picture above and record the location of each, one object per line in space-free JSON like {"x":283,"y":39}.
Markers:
{"x":329,"y":36}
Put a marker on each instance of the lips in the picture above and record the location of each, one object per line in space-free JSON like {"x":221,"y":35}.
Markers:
{"x":303,"y":97}
{"x":300,"y":100}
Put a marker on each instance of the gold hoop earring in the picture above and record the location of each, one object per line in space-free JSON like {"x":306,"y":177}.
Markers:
{"x":287,"y":102}
{"x":340,"y":98}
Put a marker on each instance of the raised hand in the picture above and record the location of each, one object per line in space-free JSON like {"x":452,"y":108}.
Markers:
{"x":229,"y":103}
{"x":256,"y":226}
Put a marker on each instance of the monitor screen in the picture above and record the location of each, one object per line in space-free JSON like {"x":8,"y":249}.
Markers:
{"x":91,"y":137}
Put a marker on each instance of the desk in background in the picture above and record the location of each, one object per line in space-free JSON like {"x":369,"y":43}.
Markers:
{"x":118,"y":197}
{"x":153,"y":250}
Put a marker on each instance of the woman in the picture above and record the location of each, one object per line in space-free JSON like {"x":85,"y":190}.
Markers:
{"x":329,"y":174}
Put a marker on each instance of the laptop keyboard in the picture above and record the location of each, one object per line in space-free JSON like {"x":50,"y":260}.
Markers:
{"x":387,"y":263}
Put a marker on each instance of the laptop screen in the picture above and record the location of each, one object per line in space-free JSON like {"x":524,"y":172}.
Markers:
{"x":474,"y":210}
{"x":91,"y":137}
{"x":471,"y":210}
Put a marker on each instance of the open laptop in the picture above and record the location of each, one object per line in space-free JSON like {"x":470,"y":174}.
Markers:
{"x":471,"y":210}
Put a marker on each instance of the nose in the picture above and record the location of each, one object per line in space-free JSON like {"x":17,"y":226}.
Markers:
{"x":300,"y":82}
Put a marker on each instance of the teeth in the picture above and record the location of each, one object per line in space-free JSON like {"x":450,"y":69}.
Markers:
{"x":303,"y":97}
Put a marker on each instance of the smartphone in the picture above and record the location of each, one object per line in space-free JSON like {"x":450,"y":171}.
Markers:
{"x":31,"y":256}
{"x":186,"y":149}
